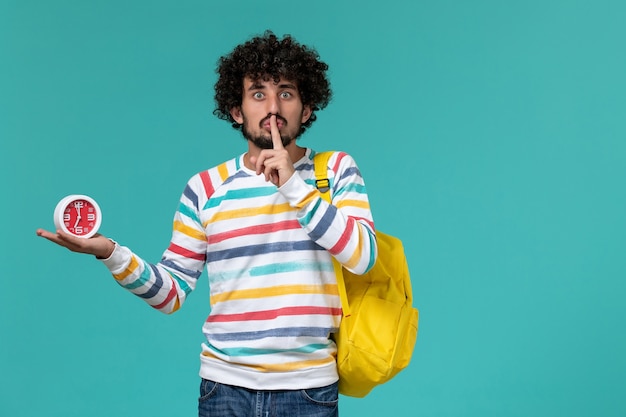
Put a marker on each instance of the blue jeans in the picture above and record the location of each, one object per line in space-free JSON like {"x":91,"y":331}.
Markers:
{"x":220,"y":400}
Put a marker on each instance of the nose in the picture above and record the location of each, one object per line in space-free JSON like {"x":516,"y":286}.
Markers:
{"x":273,"y":105}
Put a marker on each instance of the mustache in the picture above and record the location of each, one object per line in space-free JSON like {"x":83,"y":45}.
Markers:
{"x":269,"y":115}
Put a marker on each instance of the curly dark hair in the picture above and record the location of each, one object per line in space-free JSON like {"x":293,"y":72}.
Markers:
{"x":269,"y":57}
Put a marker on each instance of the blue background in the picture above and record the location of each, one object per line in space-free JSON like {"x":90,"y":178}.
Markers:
{"x":491,"y":136}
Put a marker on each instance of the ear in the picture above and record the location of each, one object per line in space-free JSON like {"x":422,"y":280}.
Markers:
{"x":235,"y":112}
{"x":306,"y":113}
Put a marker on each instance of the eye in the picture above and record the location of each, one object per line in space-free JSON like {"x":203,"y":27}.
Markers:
{"x":258,"y":95}
{"x":285,"y":95}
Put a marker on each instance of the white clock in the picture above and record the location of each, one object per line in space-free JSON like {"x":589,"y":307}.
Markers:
{"x":78,"y":215}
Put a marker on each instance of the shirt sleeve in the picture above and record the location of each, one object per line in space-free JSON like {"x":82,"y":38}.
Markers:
{"x":166,"y":284}
{"x":344,"y":227}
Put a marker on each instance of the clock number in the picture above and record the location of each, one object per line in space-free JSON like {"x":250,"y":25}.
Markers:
{"x":78,"y":230}
{"x":91,"y":217}
{"x":66,"y":217}
{"x":78,"y":205}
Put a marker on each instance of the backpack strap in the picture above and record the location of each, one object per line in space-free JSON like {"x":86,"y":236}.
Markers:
{"x":323,"y":185}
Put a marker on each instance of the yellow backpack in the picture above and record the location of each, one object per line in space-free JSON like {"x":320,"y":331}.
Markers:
{"x":379,"y":326}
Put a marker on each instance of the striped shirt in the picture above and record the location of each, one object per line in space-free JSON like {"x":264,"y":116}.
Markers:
{"x":268,"y":256}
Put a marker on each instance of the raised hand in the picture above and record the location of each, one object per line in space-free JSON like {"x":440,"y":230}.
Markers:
{"x":275,"y":163}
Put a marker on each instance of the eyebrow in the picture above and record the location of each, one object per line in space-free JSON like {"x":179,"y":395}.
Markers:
{"x":259,"y":86}
{"x":288,"y":85}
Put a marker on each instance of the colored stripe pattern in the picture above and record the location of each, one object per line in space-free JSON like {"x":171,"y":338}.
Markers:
{"x":268,"y":256}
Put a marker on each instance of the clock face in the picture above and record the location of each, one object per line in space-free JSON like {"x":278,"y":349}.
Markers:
{"x":78,"y":215}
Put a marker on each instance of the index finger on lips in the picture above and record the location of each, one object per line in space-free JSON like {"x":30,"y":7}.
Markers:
{"x":276,"y":140}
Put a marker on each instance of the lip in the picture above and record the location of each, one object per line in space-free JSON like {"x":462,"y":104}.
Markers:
{"x":268,"y":126}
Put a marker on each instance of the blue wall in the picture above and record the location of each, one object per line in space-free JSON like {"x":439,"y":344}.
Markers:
{"x":491,"y":136}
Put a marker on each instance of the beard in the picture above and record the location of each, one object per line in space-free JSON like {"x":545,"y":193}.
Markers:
{"x":264,"y":141}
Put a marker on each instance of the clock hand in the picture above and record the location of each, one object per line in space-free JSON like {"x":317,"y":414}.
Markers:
{"x":78,"y":216}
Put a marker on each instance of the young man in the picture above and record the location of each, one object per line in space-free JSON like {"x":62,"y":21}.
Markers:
{"x":266,"y":237}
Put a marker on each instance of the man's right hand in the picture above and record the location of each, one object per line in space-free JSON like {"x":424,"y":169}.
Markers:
{"x":97,"y":245}
{"x":274,"y":163}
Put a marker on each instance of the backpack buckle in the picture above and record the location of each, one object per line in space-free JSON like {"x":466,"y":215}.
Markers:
{"x":323,"y":185}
